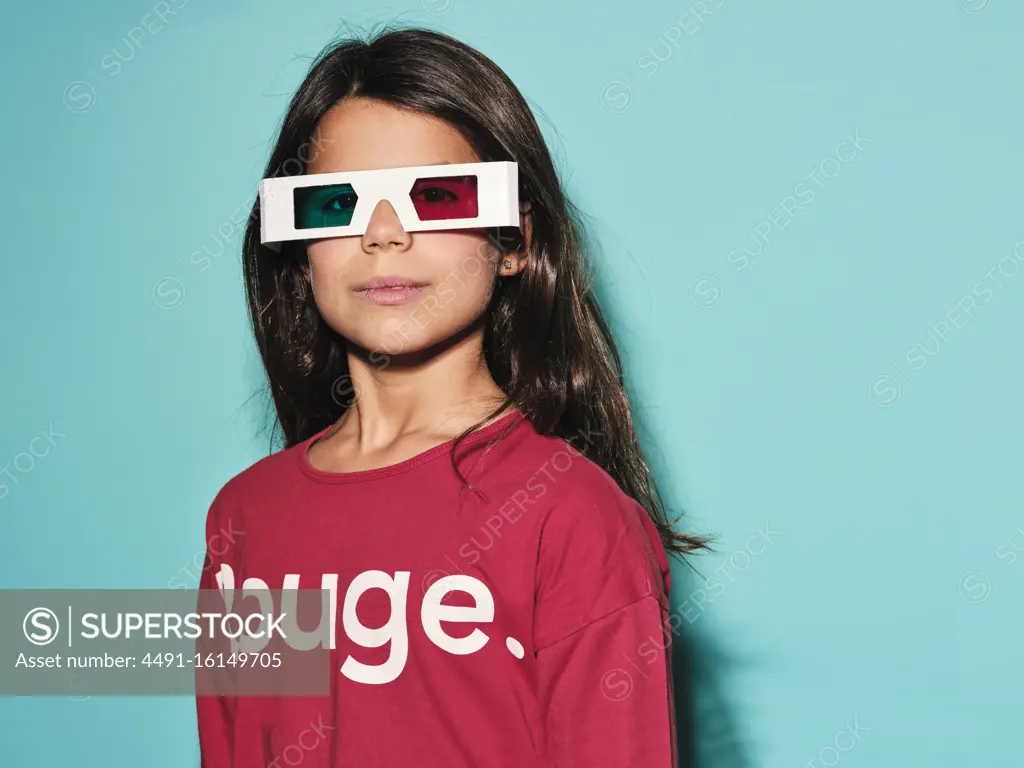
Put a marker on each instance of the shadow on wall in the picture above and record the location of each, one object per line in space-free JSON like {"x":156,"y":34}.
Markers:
{"x":709,"y":735}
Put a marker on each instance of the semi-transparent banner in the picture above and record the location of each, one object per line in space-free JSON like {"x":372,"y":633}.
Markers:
{"x":165,"y":642}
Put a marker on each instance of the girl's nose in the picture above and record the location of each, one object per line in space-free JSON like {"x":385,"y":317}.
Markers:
{"x":385,"y":228}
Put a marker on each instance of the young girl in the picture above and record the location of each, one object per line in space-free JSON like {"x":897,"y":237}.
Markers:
{"x":460,"y":466}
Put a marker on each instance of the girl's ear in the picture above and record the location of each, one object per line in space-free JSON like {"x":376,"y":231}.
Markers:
{"x":514,"y":262}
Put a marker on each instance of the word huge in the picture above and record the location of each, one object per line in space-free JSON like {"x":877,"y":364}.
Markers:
{"x":394,"y":631}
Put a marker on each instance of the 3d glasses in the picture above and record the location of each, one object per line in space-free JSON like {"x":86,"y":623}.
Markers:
{"x":425,"y":197}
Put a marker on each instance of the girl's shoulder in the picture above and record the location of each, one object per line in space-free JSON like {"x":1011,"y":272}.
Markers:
{"x":577,"y":508}
{"x":597,"y":549}
{"x":552,"y":472}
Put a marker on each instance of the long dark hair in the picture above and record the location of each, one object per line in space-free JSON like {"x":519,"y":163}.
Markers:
{"x":546,"y":342}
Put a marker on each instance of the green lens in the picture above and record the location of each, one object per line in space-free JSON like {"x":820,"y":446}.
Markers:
{"x":328,"y":206}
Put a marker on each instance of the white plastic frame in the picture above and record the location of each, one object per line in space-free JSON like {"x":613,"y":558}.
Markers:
{"x":497,"y":199}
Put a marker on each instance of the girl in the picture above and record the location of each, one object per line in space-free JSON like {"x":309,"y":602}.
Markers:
{"x":460,"y":467}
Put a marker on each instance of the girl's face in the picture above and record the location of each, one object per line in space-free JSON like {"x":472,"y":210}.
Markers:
{"x":455,"y":270}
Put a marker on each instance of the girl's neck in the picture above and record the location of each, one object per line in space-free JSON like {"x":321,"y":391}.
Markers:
{"x":444,"y":392}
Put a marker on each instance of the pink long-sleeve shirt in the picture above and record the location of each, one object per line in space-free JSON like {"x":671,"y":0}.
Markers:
{"x":560,"y":656}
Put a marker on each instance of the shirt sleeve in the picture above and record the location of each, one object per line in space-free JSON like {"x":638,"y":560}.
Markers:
{"x":601,"y":639}
{"x":607,"y":692}
{"x":215,"y":714}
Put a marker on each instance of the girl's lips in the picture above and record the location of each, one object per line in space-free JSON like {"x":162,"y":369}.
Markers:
{"x":391,"y":296}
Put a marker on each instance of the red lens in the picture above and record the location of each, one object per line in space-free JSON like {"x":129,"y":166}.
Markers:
{"x":445,"y":197}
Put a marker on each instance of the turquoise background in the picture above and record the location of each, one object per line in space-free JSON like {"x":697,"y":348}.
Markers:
{"x":827,"y":387}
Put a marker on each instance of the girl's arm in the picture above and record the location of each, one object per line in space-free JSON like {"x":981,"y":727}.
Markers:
{"x":215,"y":713}
{"x":608,"y":693}
{"x":601,"y":636}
